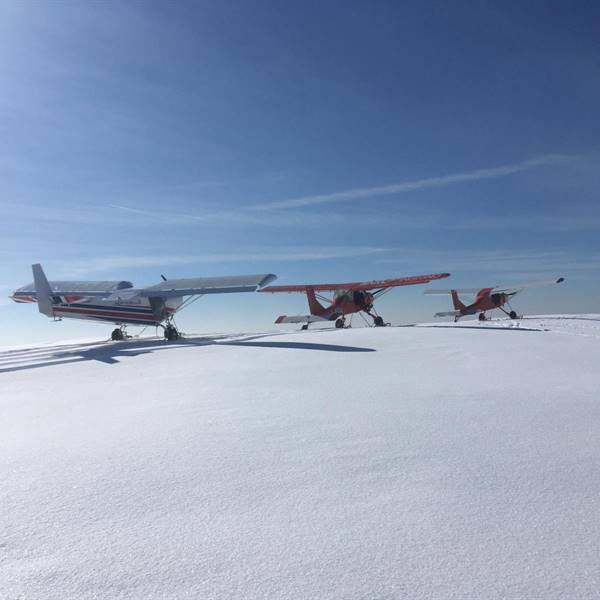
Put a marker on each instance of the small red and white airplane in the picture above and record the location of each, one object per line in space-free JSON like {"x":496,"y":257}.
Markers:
{"x":486,"y":299}
{"x":348,"y":298}
{"x":120,"y":303}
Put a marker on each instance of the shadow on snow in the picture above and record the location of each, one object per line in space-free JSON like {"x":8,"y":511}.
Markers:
{"x":110,"y":352}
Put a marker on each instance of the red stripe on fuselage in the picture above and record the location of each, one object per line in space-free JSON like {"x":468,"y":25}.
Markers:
{"x":23,"y":299}
{"x":108,"y":314}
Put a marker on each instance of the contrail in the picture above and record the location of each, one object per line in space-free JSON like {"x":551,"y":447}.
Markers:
{"x":417,"y":184}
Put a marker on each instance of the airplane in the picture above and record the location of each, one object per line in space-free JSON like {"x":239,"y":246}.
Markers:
{"x":486,"y":299}
{"x":348,"y":298}
{"x":119,"y":302}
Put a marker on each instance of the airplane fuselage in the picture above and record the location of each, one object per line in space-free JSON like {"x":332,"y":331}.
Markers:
{"x":345,"y":302}
{"x":130,"y":311}
{"x":486,"y":301}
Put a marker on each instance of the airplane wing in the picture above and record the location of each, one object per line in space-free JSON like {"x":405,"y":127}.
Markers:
{"x":367,"y":285}
{"x":206,"y":285}
{"x":503,"y":290}
{"x":522,"y":286}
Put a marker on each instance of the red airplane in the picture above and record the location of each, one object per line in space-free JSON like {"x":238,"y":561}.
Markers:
{"x":487,"y":299}
{"x":348,"y":298}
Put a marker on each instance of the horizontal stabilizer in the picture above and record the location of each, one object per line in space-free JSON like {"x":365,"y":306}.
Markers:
{"x":299,"y":319}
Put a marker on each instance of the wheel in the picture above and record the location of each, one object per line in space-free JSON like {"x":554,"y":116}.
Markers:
{"x":116,"y":335}
{"x":481,"y":317}
{"x":304,"y":327}
{"x":513,"y":315}
{"x":340,"y":323}
{"x":171,"y":333}
{"x":378,"y":322}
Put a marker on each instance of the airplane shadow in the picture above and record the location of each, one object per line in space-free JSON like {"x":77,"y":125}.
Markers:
{"x":481,"y":327}
{"x":298,"y":346}
{"x":109,"y":353}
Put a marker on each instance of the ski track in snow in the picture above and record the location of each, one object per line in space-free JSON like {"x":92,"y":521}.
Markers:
{"x":447,"y":461}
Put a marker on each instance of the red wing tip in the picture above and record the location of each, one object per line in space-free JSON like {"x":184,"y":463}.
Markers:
{"x":280,"y":319}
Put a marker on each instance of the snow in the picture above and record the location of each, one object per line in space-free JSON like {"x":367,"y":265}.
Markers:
{"x":402,"y":462}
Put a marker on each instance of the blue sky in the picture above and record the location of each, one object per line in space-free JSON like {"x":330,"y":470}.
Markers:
{"x":315,"y":140}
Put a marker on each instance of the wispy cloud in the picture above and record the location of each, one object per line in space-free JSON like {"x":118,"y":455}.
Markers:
{"x":499,"y":264}
{"x":279,"y":214}
{"x":241,"y":217}
{"x":193,"y":186}
{"x":584,"y":221}
{"x":417,"y":184}
{"x":293,"y":213}
{"x":96,"y":264}
{"x":531,"y":222}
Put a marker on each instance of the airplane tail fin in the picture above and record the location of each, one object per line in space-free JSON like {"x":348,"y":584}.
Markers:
{"x":43,"y":291}
{"x":316,"y":308}
{"x":458,"y":305}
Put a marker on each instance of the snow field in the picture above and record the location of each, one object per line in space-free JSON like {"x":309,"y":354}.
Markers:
{"x":369,"y":463}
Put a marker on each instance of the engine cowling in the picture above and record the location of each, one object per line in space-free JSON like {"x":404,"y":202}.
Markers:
{"x":362,"y":299}
{"x":498,"y":299}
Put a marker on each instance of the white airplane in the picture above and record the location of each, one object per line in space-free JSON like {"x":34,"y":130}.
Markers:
{"x":120,"y":303}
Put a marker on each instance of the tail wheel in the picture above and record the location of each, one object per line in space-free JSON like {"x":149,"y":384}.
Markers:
{"x":378,"y":321}
{"x":339,"y":324}
{"x":117,"y":335}
{"x":513,"y":315}
{"x":481,"y":317}
{"x":304,"y":327}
